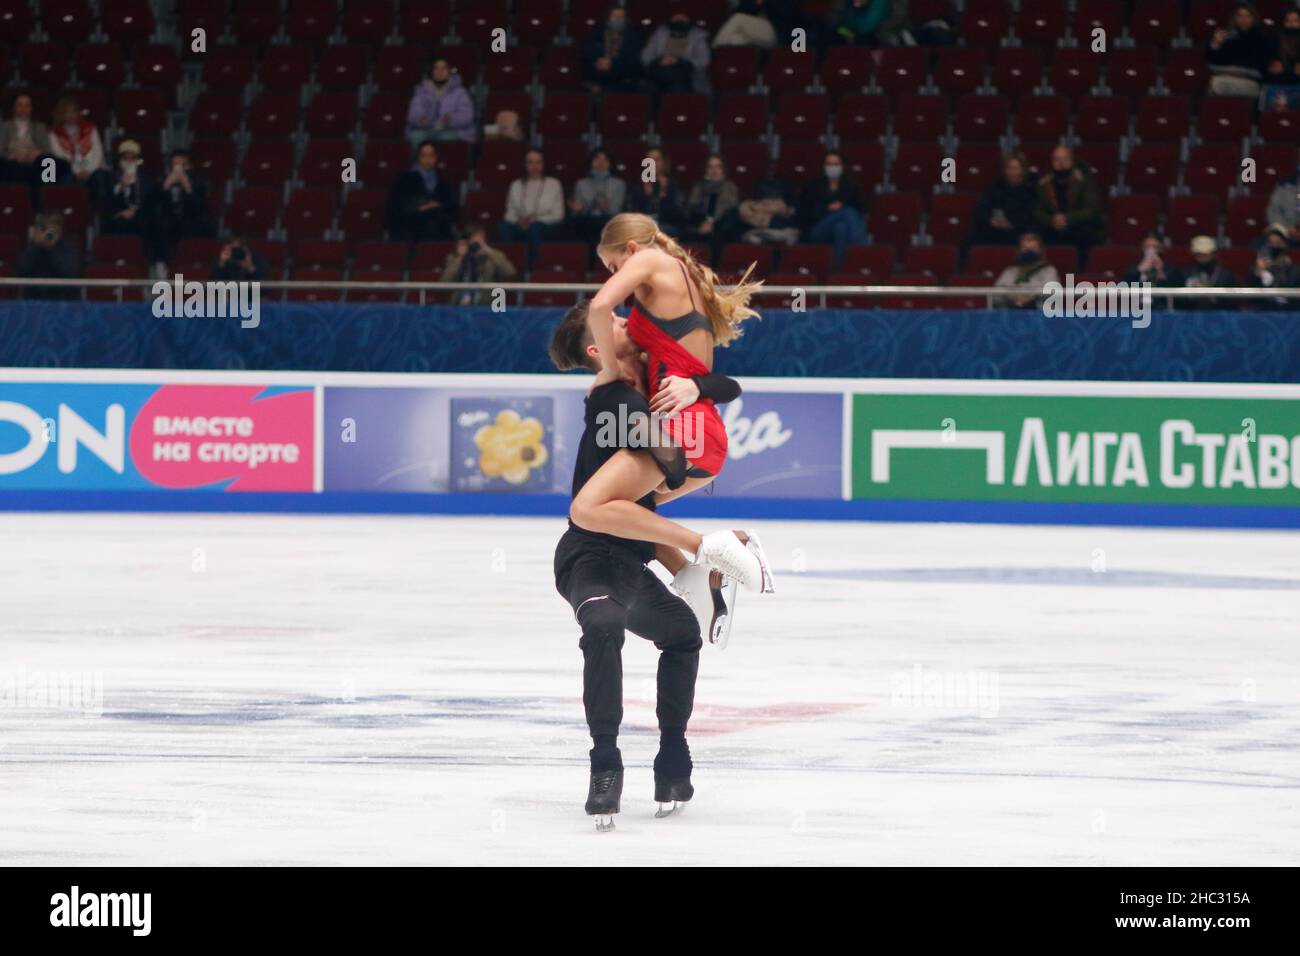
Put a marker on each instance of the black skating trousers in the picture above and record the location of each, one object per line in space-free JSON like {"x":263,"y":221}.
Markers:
{"x":611,"y":592}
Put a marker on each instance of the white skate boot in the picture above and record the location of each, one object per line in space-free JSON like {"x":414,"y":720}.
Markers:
{"x":712,"y":597}
{"x":735,"y":558}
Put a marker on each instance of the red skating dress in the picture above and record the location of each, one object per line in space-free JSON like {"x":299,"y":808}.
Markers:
{"x":698,"y":430}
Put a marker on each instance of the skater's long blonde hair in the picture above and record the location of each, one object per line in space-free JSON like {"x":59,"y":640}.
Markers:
{"x":725,"y":308}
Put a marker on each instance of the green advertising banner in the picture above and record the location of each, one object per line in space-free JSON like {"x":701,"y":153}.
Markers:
{"x":1074,"y":448}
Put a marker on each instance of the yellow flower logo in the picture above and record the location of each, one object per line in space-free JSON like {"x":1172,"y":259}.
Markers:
{"x":511,"y":447}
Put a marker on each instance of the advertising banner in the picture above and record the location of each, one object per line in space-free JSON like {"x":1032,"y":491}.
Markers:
{"x":1073,"y":448}
{"x":124,"y":436}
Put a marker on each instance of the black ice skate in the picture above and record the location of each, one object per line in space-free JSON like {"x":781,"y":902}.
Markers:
{"x":603,"y":794}
{"x":672,"y":778}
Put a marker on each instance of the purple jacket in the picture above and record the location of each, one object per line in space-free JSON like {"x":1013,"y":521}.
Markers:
{"x":452,"y":104}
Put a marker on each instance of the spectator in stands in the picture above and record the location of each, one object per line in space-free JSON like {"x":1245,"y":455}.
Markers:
{"x":771,"y":213}
{"x":239,"y":262}
{"x":75,"y":140}
{"x":48,"y":256}
{"x":183,"y":211}
{"x":473,"y":260}
{"x":830,"y":210}
{"x":440,"y":108}
{"x":422,"y":204}
{"x":611,"y":56}
{"x":747,"y":26}
{"x":1205,"y":272}
{"x":597,"y":197}
{"x":712,"y":207}
{"x":1069,"y":203}
{"x":534,"y":206}
{"x":872,"y":23}
{"x":658,"y":196}
{"x":1151,"y":267}
{"x":1006,"y":207}
{"x":1283,"y":76}
{"x":1274,"y":268}
{"x":23,"y":142}
{"x":676,"y":57}
{"x":1284,"y":205}
{"x":1030,"y":272}
{"x":1240,"y":59}
{"x":129,"y":207}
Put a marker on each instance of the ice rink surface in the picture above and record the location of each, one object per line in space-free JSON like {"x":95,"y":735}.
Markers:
{"x":406,"y":690}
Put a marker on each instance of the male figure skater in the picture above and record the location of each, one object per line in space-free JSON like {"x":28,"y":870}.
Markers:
{"x":606,"y":581}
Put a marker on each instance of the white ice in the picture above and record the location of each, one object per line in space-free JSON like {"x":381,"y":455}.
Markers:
{"x":406,"y":690}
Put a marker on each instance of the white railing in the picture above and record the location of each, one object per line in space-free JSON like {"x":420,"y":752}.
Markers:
{"x":436,"y":292}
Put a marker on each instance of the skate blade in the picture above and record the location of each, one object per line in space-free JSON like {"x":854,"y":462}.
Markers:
{"x":674,"y":809}
{"x":604,"y":822}
{"x":720,"y":633}
{"x":756,"y":547}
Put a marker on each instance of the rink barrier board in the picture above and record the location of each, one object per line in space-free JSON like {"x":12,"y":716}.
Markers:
{"x":701,"y":506}
{"x":814,"y":421}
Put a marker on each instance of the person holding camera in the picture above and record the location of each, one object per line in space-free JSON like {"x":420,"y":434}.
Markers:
{"x":129,"y":207}
{"x":1239,"y":59}
{"x":473,"y":260}
{"x":1274,"y":268}
{"x":49,"y":256}
{"x":183,"y":211}
{"x":239,"y":263}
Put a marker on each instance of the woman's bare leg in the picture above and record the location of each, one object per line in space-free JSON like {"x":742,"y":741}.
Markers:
{"x":670,"y":558}
{"x":607,"y":504}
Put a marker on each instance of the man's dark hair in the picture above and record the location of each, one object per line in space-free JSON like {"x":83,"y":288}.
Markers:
{"x":179,"y":151}
{"x":570,"y":339}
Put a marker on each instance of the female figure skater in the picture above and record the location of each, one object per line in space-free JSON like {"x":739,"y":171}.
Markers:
{"x":664,"y":280}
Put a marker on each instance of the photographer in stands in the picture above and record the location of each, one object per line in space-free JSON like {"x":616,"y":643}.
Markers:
{"x":239,"y":263}
{"x":49,"y":256}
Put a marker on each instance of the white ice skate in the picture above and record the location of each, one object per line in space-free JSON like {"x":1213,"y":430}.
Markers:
{"x":712,"y":596}
{"x":744,"y":561}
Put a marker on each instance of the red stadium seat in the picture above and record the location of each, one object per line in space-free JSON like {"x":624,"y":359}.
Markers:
{"x":216,"y":115}
{"x":950,"y":221}
{"x":1162,"y":119}
{"x":385,"y":159}
{"x":16,"y":18}
{"x":733,"y":69}
{"x":254,"y":24}
{"x":787,"y":71}
{"x":981,"y":119}
{"x":483,"y":208}
{"x":121,"y":251}
{"x":748,"y":163}
{"x":322,"y":163}
{"x":938,"y":262}
{"x":363,"y":214}
{"x":624,"y":115}
{"x":1107,"y":15}
{"x":355,"y":294}
{"x":1064,"y":257}
{"x":799,"y":161}
{"x":302,"y":274}
{"x":1186,"y":72}
{"x":1129,"y":218}
{"x":1155,"y":21}
{"x":537,"y":22}
{"x":1272,"y":162}
{"x":15,"y":211}
{"x":860,"y":116}
{"x":1205,"y":16}
{"x":424,"y":25}
{"x":252,"y":212}
{"x":1103,"y":159}
{"x":312,"y":22}
{"x":985,"y":24}
{"x":374,"y":256}
{"x":566,"y":160}
{"x":157,"y":67}
{"x":682,"y":115}
{"x":1112,"y":262}
{"x":285,"y":68}
{"x":344,"y":67}
{"x":385,"y":115}
{"x":43,"y":65}
{"x":196,"y":256}
{"x":864,"y":163}
{"x":1102,"y":118}
{"x":870,"y":262}
{"x":808,"y":262}
{"x":958,"y":70}
{"x":801,"y":116}
{"x":475,"y":24}
{"x":267,"y":163}
{"x":845,"y":70}
{"x":1075,"y":72}
{"x":1041,"y":118}
{"x":509,"y":70}
{"x":319,"y":254}
{"x":332,"y":115}
{"x":895,"y":218}
{"x":398,"y":69}
{"x":566,"y":257}
{"x":1247,"y":218}
{"x":921,"y":117}
{"x":917,"y":166}
{"x":978,"y":164}
{"x":742,"y":116}
{"x":499,"y":164}
{"x":1213,"y":168}
{"x":1280,"y":126}
{"x":100,"y":65}
{"x":1132,"y":72}
{"x":215,"y":159}
{"x":1017,"y":70}
{"x":989,"y":261}
{"x":1152,"y":167}
{"x":1188,"y":216}
{"x":1224,"y":119}
{"x":228,"y":68}
{"x":1040,"y":24}
{"x":565,"y":116}
{"x":561,"y":70}
{"x":68,"y":22}
{"x":736,"y":257}
{"x":368,"y":23}
{"x":273,"y":114}
{"x":901,"y":69}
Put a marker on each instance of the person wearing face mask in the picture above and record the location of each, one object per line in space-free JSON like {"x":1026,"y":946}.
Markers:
{"x":1069,"y":211}
{"x":611,"y":55}
{"x":183,"y":210}
{"x":1205,"y":272}
{"x":441,"y":108}
{"x":676,"y":57}
{"x":711,"y":208}
{"x":129,"y":206}
{"x":1029,"y":272}
{"x":1274,"y":268}
{"x":1151,"y":266}
{"x":1006,"y":207}
{"x":597,"y":198}
{"x":830,"y":210}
